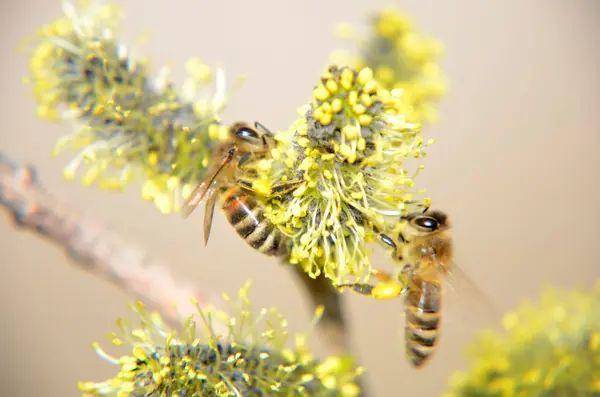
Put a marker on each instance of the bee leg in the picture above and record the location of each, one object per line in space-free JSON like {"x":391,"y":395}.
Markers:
{"x":276,"y":190}
{"x":282,"y":188}
{"x":244,"y":185}
{"x":388,"y":290}
{"x":389,"y":287}
{"x":384,"y":291}
{"x":359,"y":288}
{"x":382,"y":276}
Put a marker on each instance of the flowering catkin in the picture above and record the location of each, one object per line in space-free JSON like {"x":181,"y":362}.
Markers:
{"x":400,"y":57}
{"x":126,"y":121}
{"x":550,"y":348}
{"x":348,"y":146}
{"x":253,"y":359}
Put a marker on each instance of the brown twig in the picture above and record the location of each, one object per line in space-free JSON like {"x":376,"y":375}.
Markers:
{"x":93,"y":247}
{"x":333,"y":329}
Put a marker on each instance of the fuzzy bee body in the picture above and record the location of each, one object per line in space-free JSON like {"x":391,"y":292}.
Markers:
{"x":237,"y":198}
{"x":428,"y":252}
{"x":248,"y":219}
{"x":425,"y":247}
{"x":422,"y":308}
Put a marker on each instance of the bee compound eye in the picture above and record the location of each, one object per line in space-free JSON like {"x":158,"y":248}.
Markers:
{"x":426,"y":223}
{"x":247,"y":134}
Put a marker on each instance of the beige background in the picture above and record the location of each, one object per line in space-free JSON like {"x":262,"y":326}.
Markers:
{"x":515,"y":165}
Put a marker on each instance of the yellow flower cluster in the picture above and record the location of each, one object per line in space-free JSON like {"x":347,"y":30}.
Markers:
{"x":400,"y":57}
{"x":349,"y":147}
{"x":349,"y":110}
{"x":251,"y":360}
{"x":127,"y":122}
{"x":551,"y":348}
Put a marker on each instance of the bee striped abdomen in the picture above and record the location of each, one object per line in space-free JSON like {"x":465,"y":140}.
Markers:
{"x":248,"y":219}
{"x":422,"y":307}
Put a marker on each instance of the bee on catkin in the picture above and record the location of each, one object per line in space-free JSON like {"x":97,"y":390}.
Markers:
{"x":425,"y":250}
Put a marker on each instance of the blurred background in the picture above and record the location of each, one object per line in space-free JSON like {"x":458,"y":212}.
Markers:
{"x":515,"y":166}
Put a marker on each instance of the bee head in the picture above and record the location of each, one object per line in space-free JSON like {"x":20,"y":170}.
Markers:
{"x":248,"y":137}
{"x":428,"y":222}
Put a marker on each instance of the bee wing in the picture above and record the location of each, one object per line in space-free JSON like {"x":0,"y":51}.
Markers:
{"x":194,"y":199}
{"x":200,"y":191}
{"x":466,"y":302}
{"x":209,"y":211}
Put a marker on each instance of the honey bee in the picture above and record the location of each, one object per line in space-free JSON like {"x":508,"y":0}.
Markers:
{"x":425,"y":248}
{"x":237,"y":198}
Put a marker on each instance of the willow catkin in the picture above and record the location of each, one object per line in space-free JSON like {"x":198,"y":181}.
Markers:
{"x":127,"y":121}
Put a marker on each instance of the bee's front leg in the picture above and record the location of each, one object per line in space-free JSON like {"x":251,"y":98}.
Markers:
{"x":387,"y":289}
{"x":283,"y":188}
{"x":276,"y":190}
{"x":359,"y":288}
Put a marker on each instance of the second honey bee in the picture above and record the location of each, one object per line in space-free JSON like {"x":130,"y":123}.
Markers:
{"x":425,"y":247}
{"x":237,"y":199}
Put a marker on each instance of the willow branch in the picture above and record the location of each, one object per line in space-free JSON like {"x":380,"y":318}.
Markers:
{"x":333,"y":328}
{"x":93,"y":247}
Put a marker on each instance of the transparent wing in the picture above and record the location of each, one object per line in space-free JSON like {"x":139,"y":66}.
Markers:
{"x":200,"y":191}
{"x":464,"y":302}
{"x":209,"y":211}
{"x":194,"y":199}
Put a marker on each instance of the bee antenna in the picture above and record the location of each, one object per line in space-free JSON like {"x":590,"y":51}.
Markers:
{"x":259,"y":126}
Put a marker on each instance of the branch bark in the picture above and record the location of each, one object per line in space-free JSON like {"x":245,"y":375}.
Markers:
{"x":94,"y":248}
{"x":333,"y":327}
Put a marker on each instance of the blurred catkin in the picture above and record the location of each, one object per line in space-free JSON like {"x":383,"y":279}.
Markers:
{"x":401,"y":57}
{"x":549,"y":348}
{"x":126,"y":121}
{"x":253,"y":359}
